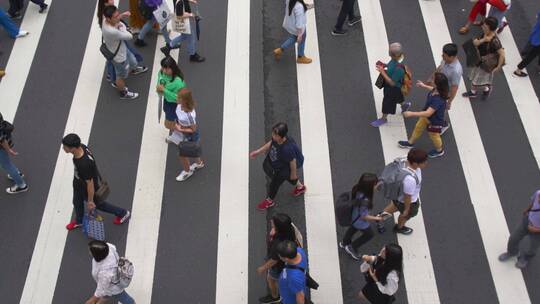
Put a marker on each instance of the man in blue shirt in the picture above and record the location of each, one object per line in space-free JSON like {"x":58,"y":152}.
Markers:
{"x":533,"y":49}
{"x":292,"y":280}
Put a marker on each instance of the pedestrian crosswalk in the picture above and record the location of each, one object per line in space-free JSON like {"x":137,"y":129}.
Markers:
{"x":468,"y":204}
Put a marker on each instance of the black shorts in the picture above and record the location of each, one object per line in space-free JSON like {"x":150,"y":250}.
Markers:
{"x":414,"y":208}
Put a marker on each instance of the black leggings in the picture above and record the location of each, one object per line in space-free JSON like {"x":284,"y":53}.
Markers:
{"x":367,"y":234}
{"x":276,"y":182}
{"x":532,"y":52}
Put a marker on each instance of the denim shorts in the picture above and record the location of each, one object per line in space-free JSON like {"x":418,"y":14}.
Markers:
{"x":170,"y":110}
{"x":274,"y":273}
{"x":121,"y":69}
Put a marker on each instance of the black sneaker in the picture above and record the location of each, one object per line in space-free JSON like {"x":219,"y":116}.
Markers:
{"x":380,"y":227}
{"x":166,"y":50}
{"x":268,"y":299}
{"x":354,"y":21}
{"x":15,"y":16}
{"x":196,"y":58}
{"x":43,"y":8}
{"x":139,"y":42}
{"x":16,"y":189}
{"x":470,"y":94}
{"x":403,"y":230}
{"x":339,"y":32}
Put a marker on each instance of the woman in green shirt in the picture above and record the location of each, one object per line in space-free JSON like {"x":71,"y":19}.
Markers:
{"x":170,"y":81}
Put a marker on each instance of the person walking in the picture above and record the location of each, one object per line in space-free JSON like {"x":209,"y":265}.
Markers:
{"x":362,"y":193}
{"x":382,"y":274}
{"x":529,"y":226}
{"x":393,"y":74}
{"x":16,"y":7}
{"x":492,"y":54}
{"x":147,"y":8}
{"x":431,"y":117}
{"x":283,"y":159}
{"x":186,"y":10}
{"x":170,"y":82}
{"x":6,"y":149}
{"x":498,"y":11}
{"x":282,"y":229}
{"x":347,"y":10}
{"x":115,"y":35}
{"x":295,"y":22}
{"x":11,"y":28}
{"x":451,"y":67}
{"x":408,"y":201}
{"x":532,"y":50}
{"x":187,"y":130}
{"x":292,"y":280}
{"x":86,"y":181}
{"x":105,"y":272}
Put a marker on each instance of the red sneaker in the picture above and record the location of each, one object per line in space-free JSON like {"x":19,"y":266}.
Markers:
{"x":265,"y":204}
{"x":119,"y":220}
{"x":299,"y":191}
{"x":73,"y":225}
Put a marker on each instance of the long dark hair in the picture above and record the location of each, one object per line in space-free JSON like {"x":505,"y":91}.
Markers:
{"x":292,"y":3}
{"x":100,"y":9}
{"x":168,"y":62}
{"x":284,"y":228}
{"x":441,"y":83}
{"x":365,"y":186}
{"x":392,"y":261}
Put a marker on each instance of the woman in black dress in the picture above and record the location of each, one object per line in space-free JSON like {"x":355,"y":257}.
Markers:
{"x":382,"y":273}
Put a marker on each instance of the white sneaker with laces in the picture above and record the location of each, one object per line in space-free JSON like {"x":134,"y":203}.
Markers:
{"x":196,"y":166}
{"x":184,"y":175}
{"x":125,"y":217}
{"x":22,"y":34}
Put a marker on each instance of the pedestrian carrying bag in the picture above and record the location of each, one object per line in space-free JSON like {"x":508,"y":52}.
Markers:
{"x":124,"y":272}
{"x":392,"y":176}
{"x":93,"y":226}
{"x":106,"y":52}
{"x":310,"y":282}
{"x":406,"y":84}
{"x":344,"y":208}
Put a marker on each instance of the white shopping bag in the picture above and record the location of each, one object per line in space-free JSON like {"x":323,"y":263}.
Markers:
{"x":182,"y":26}
{"x":163,"y":14}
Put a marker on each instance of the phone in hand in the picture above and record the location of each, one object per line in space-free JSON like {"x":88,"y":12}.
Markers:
{"x":380,"y":63}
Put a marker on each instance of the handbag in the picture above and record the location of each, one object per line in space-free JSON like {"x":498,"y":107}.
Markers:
{"x":379,"y":83}
{"x":162,"y":14}
{"x":102,"y":191}
{"x":106,"y":52}
{"x":489,"y":62}
{"x":93,"y":226}
{"x":189,"y":149}
{"x":473,"y":56}
{"x":181,"y":25}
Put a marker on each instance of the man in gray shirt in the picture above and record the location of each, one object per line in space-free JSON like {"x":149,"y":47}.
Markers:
{"x":451,"y":67}
{"x":115,"y":34}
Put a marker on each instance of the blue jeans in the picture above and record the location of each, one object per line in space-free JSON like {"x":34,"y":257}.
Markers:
{"x":8,"y":25}
{"x":290,"y":42}
{"x":123,"y":298}
{"x":191,"y":40}
{"x":148,"y":26}
{"x":10,"y":168}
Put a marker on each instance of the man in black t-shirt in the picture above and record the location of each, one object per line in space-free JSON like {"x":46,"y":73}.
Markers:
{"x":85,"y":183}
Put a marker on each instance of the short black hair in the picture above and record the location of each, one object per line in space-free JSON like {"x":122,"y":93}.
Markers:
{"x":450,"y":49}
{"x":287,"y":249}
{"x":417,"y":156}
{"x":99,"y":250}
{"x":492,"y":23}
{"x":109,"y":11}
{"x":280,"y":129}
{"x":71,"y":140}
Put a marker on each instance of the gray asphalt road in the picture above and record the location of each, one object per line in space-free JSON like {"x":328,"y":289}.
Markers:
{"x":187,"y":246}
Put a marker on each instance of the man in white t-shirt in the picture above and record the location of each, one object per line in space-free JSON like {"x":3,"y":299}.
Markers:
{"x":408,"y":202}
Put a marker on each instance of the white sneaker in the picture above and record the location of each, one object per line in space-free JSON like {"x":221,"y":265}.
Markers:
{"x":129,"y":95}
{"x":445,"y":128}
{"x":183,"y":176}
{"x":22,"y":34}
{"x":196,"y":166}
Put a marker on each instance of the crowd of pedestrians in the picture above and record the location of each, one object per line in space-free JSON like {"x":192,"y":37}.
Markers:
{"x":286,"y":266}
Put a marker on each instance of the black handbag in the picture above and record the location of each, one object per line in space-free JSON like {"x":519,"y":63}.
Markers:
{"x":106,"y":52}
{"x":189,"y":149}
{"x":472,"y":53}
{"x":103,"y":190}
{"x":379,"y":83}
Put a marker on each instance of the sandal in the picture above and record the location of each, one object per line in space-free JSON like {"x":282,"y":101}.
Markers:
{"x":520,"y":73}
{"x":463,"y":30}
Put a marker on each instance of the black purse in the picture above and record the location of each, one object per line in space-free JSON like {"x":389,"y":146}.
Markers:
{"x":379,"y":83}
{"x":106,"y":52}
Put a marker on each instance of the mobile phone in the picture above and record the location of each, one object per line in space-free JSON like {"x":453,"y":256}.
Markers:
{"x":380,"y":63}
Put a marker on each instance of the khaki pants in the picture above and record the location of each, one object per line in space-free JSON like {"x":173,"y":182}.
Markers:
{"x":421,"y":125}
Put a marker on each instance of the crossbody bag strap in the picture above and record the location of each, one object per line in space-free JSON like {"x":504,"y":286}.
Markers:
{"x":117,"y":48}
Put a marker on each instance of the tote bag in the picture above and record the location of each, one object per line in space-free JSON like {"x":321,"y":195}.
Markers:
{"x":163,"y":15}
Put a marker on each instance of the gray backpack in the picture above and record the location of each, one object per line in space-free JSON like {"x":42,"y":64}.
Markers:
{"x":391,"y":179}
{"x":124,"y":272}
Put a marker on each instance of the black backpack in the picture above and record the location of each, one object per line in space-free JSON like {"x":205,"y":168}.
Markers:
{"x":344,"y":209}
{"x":6,"y":129}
